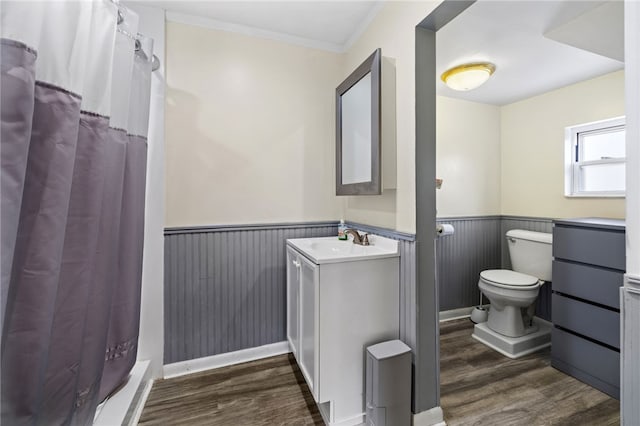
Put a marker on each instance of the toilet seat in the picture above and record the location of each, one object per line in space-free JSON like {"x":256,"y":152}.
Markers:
{"x":506,"y":278}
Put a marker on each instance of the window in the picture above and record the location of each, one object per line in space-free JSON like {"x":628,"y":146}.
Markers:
{"x":595,"y":159}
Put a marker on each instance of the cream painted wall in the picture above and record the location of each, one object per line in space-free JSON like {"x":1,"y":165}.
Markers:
{"x":250,"y":134}
{"x":249,"y":129}
{"x":393,"y":30}
{"x":533,"y":148}
{"x":468,"y":158}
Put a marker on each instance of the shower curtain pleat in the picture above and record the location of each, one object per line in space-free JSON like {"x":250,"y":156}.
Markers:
{"x":17,"y":86}
{"x":76,"y":279}
{"x":72,"y":228}
{"x":122,"y":342}
{"x":38,"y":251}
{"x":98,"y":311}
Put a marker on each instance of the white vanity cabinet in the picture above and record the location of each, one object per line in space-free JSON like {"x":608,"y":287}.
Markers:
{"x":336,"y":308}
{"x":302,"y":314}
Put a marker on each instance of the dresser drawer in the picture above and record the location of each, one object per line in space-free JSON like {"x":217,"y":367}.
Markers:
{"x":597,"y":365}
{"x":593,"y":246}
{"x":586,"y":282}
{"x":592,"y":321}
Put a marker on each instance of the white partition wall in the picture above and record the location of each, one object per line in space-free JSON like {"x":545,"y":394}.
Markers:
{"x":151,"y":341}
{"x":630,"y":294}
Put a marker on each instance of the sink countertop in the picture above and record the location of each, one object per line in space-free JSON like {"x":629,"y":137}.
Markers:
{"x":332,"y":250}
{"x":594,"y":222}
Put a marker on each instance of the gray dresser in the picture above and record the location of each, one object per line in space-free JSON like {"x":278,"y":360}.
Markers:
{"x":588,"y":268}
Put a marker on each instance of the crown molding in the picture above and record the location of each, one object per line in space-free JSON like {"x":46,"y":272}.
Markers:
{"x":363,"y":26}
{"x":215,"y":24}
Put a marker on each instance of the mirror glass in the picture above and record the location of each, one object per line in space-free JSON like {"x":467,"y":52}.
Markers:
{"x":358,"y":130}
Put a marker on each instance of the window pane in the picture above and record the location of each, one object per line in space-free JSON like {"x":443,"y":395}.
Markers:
{"x":602,"y":177}
{"x":599,"y":145}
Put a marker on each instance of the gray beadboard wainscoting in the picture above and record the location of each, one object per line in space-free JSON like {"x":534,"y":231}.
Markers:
{"x":225,"y":286}
{"x":479,"y":243}
{"x":474,"y":247}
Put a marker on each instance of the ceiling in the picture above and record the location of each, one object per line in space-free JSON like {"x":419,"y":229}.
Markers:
{"x":536,"y":46}
{"x":517,"y":37}
{"x":330,"y":25}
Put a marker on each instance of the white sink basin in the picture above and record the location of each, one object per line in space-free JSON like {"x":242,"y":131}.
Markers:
{"x":332,"y":250}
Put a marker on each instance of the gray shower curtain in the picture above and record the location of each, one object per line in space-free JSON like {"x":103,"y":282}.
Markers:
{"x":122,"y":341}
{"x":73,"y":180}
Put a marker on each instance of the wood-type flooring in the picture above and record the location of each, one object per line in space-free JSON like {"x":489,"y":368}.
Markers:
{"x":479,"y":386}
{"x":270,"y":391}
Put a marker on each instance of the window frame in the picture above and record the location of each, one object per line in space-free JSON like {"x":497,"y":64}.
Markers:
{"x":573,"y":164}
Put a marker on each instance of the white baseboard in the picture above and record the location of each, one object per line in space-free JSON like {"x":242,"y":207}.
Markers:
{"x":455,"y":314}
{"x":222,"y":360}
{"x":121,"y":407}
{"x":431,"y":417}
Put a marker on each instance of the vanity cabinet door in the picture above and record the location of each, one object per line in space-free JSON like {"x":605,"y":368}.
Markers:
{"x":307,"y":356}
{"x":293,"y":301}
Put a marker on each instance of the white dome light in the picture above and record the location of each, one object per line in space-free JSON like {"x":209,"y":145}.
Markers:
{"x":468,"y":76}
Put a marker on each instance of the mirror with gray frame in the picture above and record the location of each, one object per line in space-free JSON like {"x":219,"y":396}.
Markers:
{"x":358,"y":120}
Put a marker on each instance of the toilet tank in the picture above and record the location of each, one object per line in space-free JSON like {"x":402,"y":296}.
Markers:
{"x":530,"y":253}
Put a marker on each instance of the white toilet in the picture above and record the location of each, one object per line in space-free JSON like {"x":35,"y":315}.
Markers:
{"x":513,"y":293}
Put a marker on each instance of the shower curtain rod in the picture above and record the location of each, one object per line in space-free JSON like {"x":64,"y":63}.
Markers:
{"x":155,"y":62}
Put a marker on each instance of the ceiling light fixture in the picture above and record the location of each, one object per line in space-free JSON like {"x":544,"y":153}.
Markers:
{"x":468,"y":76}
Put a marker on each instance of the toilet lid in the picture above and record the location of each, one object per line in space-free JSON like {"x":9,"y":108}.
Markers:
{"x":508,"y":277}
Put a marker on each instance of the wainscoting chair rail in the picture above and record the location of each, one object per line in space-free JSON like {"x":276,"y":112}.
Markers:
{"x":225,"y":285}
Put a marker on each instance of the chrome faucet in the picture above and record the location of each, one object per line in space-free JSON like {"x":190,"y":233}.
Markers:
{"x":357,"y":239}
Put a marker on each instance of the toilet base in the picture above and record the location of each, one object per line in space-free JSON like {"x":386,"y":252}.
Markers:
{"x":515,"y":347}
